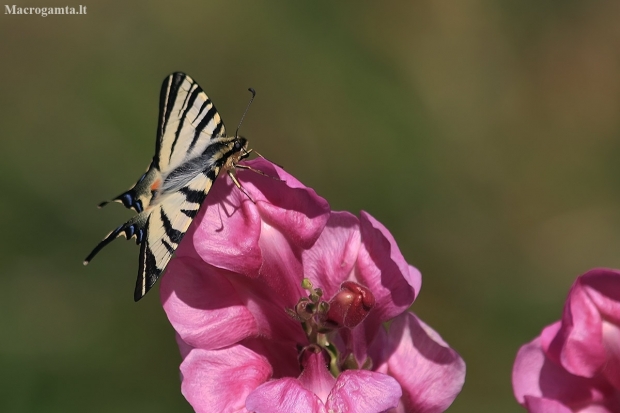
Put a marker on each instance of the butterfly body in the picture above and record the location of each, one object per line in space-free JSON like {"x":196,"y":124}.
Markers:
{"x":191,"y":150}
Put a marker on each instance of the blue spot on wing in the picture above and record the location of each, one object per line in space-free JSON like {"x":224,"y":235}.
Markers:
{"x":127,"y":199}
{"x":130,"y":231}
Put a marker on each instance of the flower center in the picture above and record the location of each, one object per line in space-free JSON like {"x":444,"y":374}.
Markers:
{"x":322,"y":319}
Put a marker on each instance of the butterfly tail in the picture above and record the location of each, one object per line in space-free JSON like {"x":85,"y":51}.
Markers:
{"x":139,"y":196}
{"x":129,"y":199}
{"x":148,"y":271}
{"x":135,"y":227}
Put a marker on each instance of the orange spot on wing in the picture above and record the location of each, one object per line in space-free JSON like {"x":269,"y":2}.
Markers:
{"x":155,"y":186}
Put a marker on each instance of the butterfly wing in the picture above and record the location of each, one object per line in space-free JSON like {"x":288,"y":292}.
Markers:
{"x":188,"y":121}
{"x":167,"y":197}
{"x":167,"y":224}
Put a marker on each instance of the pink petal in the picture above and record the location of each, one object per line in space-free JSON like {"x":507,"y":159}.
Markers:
{"x":332,"y":258}
{"x":225,"y":232}
{"x":535,"y":375}
{"x":291,"y":220}
{"x":296,"y":210}
{"x":430,"y":372}
{"x":184,"y":348}
{"x":578,"y":345}
{"x":603,"y":287}
{"x":611,"y":341}
{"x":283,"y":396}
{"x":281,"y":355}
{"x":361,"y":391}
{"x":220,"y":380}
{"x":203,"y":306}
{"x":540,"y":405}
{"x":211,"y":308}
{"x":281,"y":269}
{"x":315,"y":377}
{"x":382,"y":268}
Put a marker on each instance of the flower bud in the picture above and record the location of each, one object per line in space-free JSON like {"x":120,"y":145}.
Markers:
{"x":350,"y":305}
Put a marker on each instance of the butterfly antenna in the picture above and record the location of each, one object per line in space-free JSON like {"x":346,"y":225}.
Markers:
{"x":246,"y":111}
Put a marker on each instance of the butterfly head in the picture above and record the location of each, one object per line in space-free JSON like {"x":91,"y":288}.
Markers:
{"x":239,"y":150}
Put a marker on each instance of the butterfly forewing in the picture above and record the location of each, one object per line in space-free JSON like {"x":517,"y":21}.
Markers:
{"x":191,"y":148}
{"x":188,"y":121}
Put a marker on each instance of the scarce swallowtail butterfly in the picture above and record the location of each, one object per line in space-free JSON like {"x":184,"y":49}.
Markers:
{"x":191,"y":150}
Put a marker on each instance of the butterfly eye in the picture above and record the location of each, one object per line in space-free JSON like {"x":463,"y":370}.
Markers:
{"x":237,"y":146}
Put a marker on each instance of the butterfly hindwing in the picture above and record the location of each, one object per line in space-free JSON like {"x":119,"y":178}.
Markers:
{"x":139,"y":196}
{"x":166,"y":227}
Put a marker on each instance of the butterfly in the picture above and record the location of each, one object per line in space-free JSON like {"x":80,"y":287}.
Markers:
{"x":190,"y":151}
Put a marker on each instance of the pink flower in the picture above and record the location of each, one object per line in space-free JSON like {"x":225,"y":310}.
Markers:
{"x":280,"y":305}
{"x":574,"y":365}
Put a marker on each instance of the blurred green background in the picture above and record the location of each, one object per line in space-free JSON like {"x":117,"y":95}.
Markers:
{"x":484,"y":134}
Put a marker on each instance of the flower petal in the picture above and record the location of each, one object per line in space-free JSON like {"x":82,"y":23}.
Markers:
{"x":430,"y":372}
{"x":315,"y":376}
{"x":211,"y":308}
{"x":281,"y":269}
{"x":364,"y":392}
{"x":225,"y":232}
{"x":578,"y":345}
{"x":382,"y":268}
{"x":536,"y":376}
{"x":281,"y":355}
{"x":283,"y":396}
{"x":541,"y":405}
{"x":332,"y":258}
{"x":203,"y":306}
{"x":296,"y":210}
{"x":216,"y":381}
{"x":292,"y":217}
{"x":603,"y":288}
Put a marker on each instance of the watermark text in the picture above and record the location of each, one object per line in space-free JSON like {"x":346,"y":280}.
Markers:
{"x":44,"y":11}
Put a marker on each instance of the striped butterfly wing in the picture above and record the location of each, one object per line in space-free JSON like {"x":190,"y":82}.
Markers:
{"x":166,"y":226}
{"x":167,"y":197}
{"x":187,"y":122}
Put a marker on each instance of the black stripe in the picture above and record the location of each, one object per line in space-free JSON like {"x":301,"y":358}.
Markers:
{"x":148,"y":270}
{"x":168,"y":246}
{"x":174,"y":234}
{"x":152,"y":272}
{"x":218,"y":129}
{"x":172,"y":82}
{"x":204,"y":105}
{"x":176,"y":81}
{"x":190,"y":104}
{"x":187,"y":96}
{"x":191,"y":213}
{"x":203,"y":123}
{"x":160,"y":119}
{"x":211,"y":174}
{"x":192,"y":195}
{"x":109,"y":238}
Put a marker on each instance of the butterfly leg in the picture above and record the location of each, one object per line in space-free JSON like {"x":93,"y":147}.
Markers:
{"x":258,"y":172}
{"x":261,"y":156}
{"x":238,"y":185}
